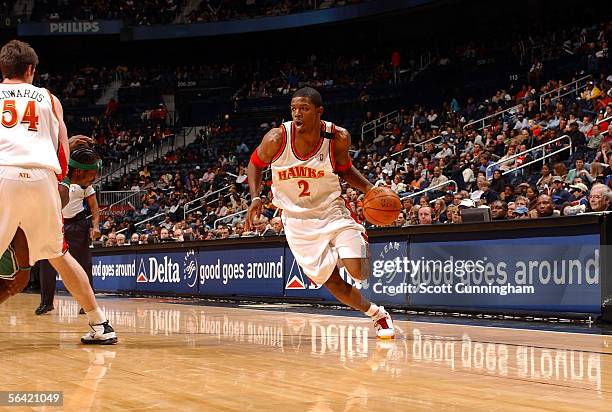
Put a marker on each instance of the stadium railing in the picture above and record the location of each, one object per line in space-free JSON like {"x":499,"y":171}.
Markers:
{"x":510,"y":110}
{"x":126,"y":200}
{"x":605,"y":119}
{"x":140,"y":159}
{"x":116,"y":197}
{"x":561,"y":91}
{"x":142,"y":222}
{"x":382,"y":121}
{"x":186,"y":209}
{"x":535,"y":149}
{"x":225,"y":220}
{"x":415,"y":145}
{"x":429,"y":189}
{"x":205,"y":196}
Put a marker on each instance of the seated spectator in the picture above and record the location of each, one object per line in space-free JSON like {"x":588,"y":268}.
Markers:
{"x":558,"y":193}
{"x":499,"y":210}
{"x":545,"y":180}
{"x":486,"y":166}
{"x":444,"y":152}
{"x":439,"y":211}
{"x":578,"y":139}
{"x":457,"y":198}
{"x":532,"y":196}
{"x":223,"y":232}
{"x":177,"y":235}
{"x":476,"y":194}
{"x":559,"y":169}
{"x":438,"y":178}
{"x":238,"y":230}
{"x":510,"y":213}
{"x":164,"y":235}
{"x":452,"y":214}
{"x":508,"y":161}
{"x":508,"y":194}
{"x":277,"y":226}
{"x":488,"y":196}
{"x":591,"y":92}
{"x":260,"y":225}
{"x":401,"y":220}
{"x":578,"y":171}
{"x":188,"y":234}
{"x":579,"y":200}
{"x":121,"y":240}
{"x":521,"y":212}
{"x":498,"y":184}
{"x":600,"y":199}
{"x":544,"y":207}
{"x":425,"y":216}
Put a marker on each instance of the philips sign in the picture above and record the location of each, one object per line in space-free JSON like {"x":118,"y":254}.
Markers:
{"x":70,"y":28}
{"x":81,"y":27}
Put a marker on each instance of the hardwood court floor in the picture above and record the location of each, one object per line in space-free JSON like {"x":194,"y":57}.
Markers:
{"x":174,"y":357}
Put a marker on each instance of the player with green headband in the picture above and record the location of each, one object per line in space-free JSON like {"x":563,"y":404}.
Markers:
{"x":83,"y":168}
{"x":14,"y":269}
{"x":74,"y":190}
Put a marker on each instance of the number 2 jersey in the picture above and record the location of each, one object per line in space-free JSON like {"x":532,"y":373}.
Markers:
{"x":29,"y":129}
{"x":306,"y":187}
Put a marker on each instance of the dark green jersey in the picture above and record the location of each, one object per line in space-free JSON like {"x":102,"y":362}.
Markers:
{"x":8,"y":264}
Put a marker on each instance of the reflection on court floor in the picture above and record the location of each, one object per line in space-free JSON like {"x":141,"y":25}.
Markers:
{"x":198,"y":357}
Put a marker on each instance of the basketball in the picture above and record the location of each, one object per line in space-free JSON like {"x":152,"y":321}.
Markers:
{"x":381,"y":206}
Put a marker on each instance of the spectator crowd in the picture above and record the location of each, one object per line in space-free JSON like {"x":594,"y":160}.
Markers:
{"x":536,"y":155}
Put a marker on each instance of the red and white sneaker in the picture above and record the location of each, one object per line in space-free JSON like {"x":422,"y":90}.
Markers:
{"x":383,"y":324}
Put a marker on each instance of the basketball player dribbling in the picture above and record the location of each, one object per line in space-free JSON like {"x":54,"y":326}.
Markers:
{"x":33,"y":153}
{"x":307,"y":156}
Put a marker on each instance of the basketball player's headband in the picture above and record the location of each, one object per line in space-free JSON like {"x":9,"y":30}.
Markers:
{"x":84,"y":166}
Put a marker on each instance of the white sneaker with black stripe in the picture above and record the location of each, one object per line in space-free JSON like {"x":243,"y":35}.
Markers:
{"x":383,"y":324}
{"x":101,"y":334}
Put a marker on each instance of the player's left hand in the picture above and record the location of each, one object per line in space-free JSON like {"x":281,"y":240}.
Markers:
{"x":253,"y":213}
{"x":79,"y":140}
{"x":95,"y":233}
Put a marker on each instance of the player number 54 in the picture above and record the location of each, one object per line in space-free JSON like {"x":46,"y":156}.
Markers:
{"x":10,"y":116}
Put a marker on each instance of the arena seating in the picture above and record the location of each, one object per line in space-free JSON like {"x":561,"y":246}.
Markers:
{"x":190,"y":189}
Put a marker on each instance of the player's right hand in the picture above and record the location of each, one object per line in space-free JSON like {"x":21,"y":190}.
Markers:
{"x":253,"y":213}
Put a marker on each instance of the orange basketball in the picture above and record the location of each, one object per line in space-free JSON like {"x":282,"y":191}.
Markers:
{"x":381,"y":206}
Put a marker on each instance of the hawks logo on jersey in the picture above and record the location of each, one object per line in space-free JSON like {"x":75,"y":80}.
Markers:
{"x":307,"y":184}
{"x":300,"y":172}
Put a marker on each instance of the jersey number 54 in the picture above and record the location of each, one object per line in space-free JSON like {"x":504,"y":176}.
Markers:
{"x":10,"y":117}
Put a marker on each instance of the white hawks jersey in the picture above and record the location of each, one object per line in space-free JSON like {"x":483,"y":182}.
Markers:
{"x":29,"y":128}
{"x":306,"y":187}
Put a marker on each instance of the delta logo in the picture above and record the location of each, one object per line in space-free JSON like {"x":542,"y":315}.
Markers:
{"x":162,"y":270}
{"x":190,"y":268}
{"x":297,"y":280}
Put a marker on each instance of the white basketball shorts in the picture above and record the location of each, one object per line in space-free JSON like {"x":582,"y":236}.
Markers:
{"x":317,"y":244}
{"x":31,"y":201}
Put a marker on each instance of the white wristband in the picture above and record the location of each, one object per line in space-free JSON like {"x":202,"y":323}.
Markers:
{"x":255,"y":198}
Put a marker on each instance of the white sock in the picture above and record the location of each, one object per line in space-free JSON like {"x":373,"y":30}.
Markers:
{"x":96,"y":316}
{"x":373,"y":310}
